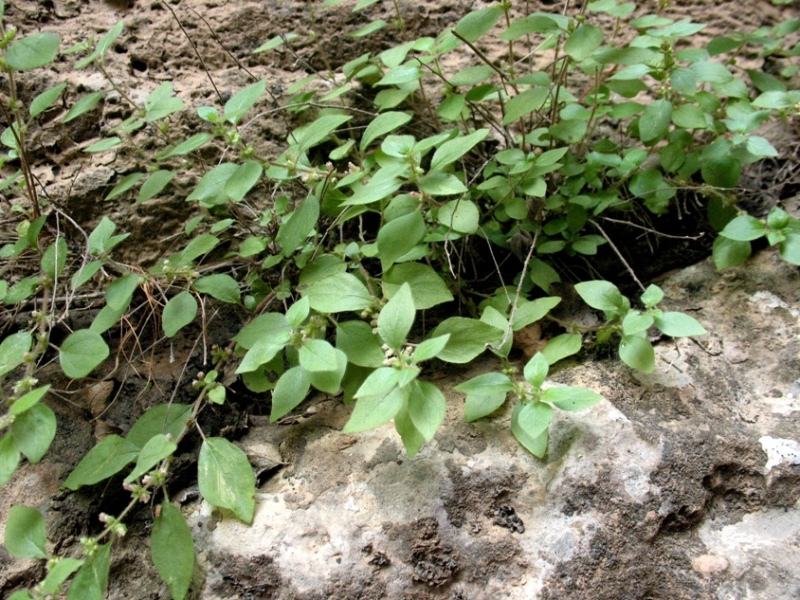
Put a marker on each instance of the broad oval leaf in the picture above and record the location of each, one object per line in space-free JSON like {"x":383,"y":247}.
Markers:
{"x":426,"y":408}
{"x":468,"y":338}
{"x":291,"y":389}
{"x":677,"y":324}
{"x":476,"y":407}
{"x":107,"y":458}
{"x":397,"y":317}
{"x":454,"y":149}
{"x":81,"y":352}
{"x":179,"y":311}
{"x":526,"y":421}
{"x":339,"y":293}
{"x":381,"y":125}
{"x":154,"y":451}
{"x":34,"y":431}
{"x":91,"y":581}
{"x":172,"y":550}
{"x":225,"y":477}
{"x":220,"y":286}
{"x":398,"y":237}
{"x":562,"y":346}
{"x":372,"y":411}
{"x":635,"y":351}
{"x":166,"y":419}
{"x":32,"y":51}
{"x":571,"y":398}
{"x":25,"y":534}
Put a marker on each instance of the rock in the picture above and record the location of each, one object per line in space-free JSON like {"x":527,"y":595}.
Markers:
{"x":709,"y":564}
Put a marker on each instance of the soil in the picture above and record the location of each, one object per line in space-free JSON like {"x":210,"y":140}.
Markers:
{"x":204,"y":47}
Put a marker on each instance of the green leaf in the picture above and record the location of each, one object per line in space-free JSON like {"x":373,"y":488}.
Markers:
{"x":372,"y":411}
{"x":242,"y":101}
{"x":452,"y":150}
{"x":430,"y":348}
{"x":54,"y":258}
{"x":476,"y":407}
{"x":9,"y":458}
{"x":744,"y":228}
{"x":46,"y":99}
{"x":536,"y":369}
{"x":220,"y":286}
{"x":154,"y":451}
{"x":397,"y":317}
{"x":107,"y":458}
{"x":635,"y":351}
{"x":427,"y":288}
{"x":718,"y":167}
{"x":28,"y":400}
{"x":441,"y":184}
{"x":475,"y":24}
{"x":102,"y":238}
{"x":487,"y":384}
{"x":179,"y":311}
{"x":677,"y":324}
{"x":468,"y":338}
{"x":411,"y":436}
{"x":154,"y":185}
{"x":636,"y":322}
{"x":330,"y":381}
{"x":397,"y":237}
{"x":57,"y":574}
{"x":103,"y":145}
{"x":32,"y":51}
{"x":530,"y":419}
{"x":426,"y":408}
{"x":571,"y":398}
{"x":83,"y":106}
{"x":199,"y":246}
{"x":225,"y":477}
{"x":652,"y":296}
{"x":290,"y":390}
{"x":33,"y":431}
{"x":381,"y":125}
{"x":562,"y":346}
{"x":368,"y":29}
{"x":81,"y":352}
{"x":125,"y":184}
{"x":654,"y":122}
{"x":602,"y":295}
{"x":210,"y":190}
{"x":462,"y":216}
{"x":379,"y":383}
{"x":317,"y":131}
{"x":172,"y":550}
{"x":294,"y":232}
{"x":471,"y":75}
{"x":243,"y":179}
{"x":13,"y":350}
{"x":530,"y":312}
{"x":91,"y":581}
{"x":583,"y":41}
{"x":164,"y":419}
{"x":263,"y":351}
{"x":276,"y":42}
{"x":790,"y":249}
{"x":317,"y":355}
{"x":161,"y":103}
{"x":25,"y":534}
{"x":362,"y":347}
{"x":339,"y":293}
{"x":120,"y":291}
{"x":730,"y":253}
{"x":189,"y":145}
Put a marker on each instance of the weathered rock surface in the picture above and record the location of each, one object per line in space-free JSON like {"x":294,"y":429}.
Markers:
{"x":682,"y":484}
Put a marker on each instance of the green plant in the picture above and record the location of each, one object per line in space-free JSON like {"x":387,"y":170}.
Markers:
{"x":369,"y":219}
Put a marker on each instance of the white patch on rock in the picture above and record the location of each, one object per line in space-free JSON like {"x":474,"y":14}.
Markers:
{"x":780,"y":451}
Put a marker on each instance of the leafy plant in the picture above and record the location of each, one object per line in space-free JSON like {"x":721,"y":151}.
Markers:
{"x":370,"y":225}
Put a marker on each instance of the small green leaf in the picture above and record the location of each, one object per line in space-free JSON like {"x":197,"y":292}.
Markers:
{"x":397,"y":317}
{"x":9,"y":458}
{"x":154,"y":451}
{"x":571,"y":398}
{"x":635,"y":351}
{"x":46,"y":99}
{"x":462,"y":216}
{"x":190,"y":145}
{"x":372,"y":411}
{"x":164,"y":419}
{"x":33,"y":431}
{"x":91,"y":581}
{"x":636,"y":322}
{"x":172,"y":550}
{"x":263,"y":351}
{"x":427,"y":288}
{"x":487,"y":384}
{"x":161,"y":103}
{"x":381,"y":125}
{"x":13,"y":350}
{"x":32,"y":51}
{"x":602,"y":295}
{"x":426,"y":408}
{"x":81,"y":352}
{"x":362,"y":347}
{"x":562,"y":346}
{"x":525,"y":103}
{"x":25,"y":535}
{"x":744,"y":228}
{"x":57,"y":574}
{"x":225,"y":477}
{"x":530,"y":312}
{"x":290,"y":390}
{"x":243,"y":101}
{"x":583,"y":41}
{"x":125,"y":184}
{"x":107,"y":458}
{"x":730,"y":253}
{"x":476,"y":407}
{"x":28,"y":400}
{"x":341,"y":292}
{"x":317,"y":355}
{"x":430,"y":348}
{"x":530,"y":419}
{"x":654,"y":122}
{"x":790,"y":249}
{"x":103,"y":145}
{"x":454,"y":149}
{"x":154,"y":185}
{"x":243,"y":179}
{"x":468,"y":338}
{"x":83,"y":106}
{"x":368,"y":29}
{"x":536,"y":369}
{"x":677,"y":324}
{"x":398,"y":237}
{"x":54,"y":258}
{"x":220,"y":286}
{"x":475,"y":24}
{"x":652,"y":296}
{"x":179,"y":311}
{"x":441,"y":184}
{"x":210,"y":190}
{"x":330,"y":381}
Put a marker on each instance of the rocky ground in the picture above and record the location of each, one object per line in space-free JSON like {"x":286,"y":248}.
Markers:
{"x":681,"y":484}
